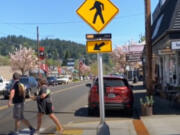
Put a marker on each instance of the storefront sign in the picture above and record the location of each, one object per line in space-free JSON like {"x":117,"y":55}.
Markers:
{"x":165,"y":51}
{"x":134,"y":57}
{"x":175,"y":45}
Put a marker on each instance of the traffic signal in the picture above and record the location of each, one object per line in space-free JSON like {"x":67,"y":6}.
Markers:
{"x":41,"y":53}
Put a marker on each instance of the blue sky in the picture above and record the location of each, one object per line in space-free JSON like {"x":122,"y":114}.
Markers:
{"x":58,"y":19}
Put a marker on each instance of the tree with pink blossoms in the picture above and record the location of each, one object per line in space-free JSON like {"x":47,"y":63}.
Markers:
{"x":84,"y":69}
{"x":119,"y":59}
{"x":23,"y":59}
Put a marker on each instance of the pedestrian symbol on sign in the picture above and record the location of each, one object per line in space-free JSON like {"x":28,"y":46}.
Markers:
{"x":99,"y":7}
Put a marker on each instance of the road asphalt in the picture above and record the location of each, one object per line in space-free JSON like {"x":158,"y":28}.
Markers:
{"x":164,"y":121}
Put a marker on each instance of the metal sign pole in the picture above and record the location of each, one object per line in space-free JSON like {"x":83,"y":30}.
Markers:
{"x":102,"y":128}
{"x":101,"y":88}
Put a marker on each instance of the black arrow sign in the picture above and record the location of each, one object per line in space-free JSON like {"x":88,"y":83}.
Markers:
{"x":98,"y":47}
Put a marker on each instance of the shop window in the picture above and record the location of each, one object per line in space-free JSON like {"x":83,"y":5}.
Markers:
{"x":172,"y":69}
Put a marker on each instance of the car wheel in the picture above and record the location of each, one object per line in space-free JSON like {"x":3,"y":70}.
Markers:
{"x":90,"y":111}
{"x":93,"y":112}
{"x":129,"y":112}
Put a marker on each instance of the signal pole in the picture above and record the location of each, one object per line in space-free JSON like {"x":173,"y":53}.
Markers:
{"x":38,"y":42}
{"x":38,"y":51}
{"x":148,"y":46}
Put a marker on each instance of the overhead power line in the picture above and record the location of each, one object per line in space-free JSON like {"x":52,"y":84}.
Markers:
{"x":64,"y":22}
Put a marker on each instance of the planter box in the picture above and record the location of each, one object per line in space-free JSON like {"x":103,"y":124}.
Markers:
{"x":146,"y":110}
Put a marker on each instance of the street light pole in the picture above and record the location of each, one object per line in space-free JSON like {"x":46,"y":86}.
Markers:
{"x":148,"y":46}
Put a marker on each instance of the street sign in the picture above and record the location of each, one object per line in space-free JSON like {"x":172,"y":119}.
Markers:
{"x":99,"y":46}
{"x":98,"y":36}
{"x":97,"y":13}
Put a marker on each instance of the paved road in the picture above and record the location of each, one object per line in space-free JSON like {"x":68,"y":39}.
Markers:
{"x":70,"y":102}
{"x":63,"y":98}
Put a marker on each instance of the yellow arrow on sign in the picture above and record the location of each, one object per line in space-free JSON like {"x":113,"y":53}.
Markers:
{"x":97,"y":13}
{"x":99,"y":46}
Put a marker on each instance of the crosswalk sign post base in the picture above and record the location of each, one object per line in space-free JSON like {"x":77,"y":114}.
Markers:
{"x":103,"y":129}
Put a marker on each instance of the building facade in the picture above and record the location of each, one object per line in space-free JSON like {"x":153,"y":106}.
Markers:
{"x":166,"y":43}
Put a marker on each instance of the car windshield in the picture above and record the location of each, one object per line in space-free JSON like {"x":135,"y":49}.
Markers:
{"x":24,"y":80}
{"x":113,"y":82}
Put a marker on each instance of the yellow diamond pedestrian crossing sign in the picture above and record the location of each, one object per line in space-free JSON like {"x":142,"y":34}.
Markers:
{"x":97,"y":13}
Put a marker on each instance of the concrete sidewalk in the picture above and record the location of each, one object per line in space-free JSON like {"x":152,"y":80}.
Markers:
{"x":162,"y":125}
{"x":119,"y":127}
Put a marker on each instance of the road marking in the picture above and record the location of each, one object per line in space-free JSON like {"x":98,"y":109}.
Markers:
{"x":65,"y":89}
{"x":71,"y":132}
{"x":59,"y":91}
{"x":3,"y":107}
{"x":140,"y":127}
{"x":26,"y":131}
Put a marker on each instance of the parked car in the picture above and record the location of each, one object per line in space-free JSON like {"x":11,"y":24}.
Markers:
{"x":58,"y":79}
{"x":30,"y":83}
{"x":63,"y":80}
{"x":117,"y":95}
{"x":52,"y":80}
{"x":7,"y":89}
{"x":2,"y":84}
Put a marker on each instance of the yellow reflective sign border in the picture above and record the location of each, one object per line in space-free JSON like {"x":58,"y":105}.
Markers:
{"x":99,"y":46}
{"x":103,"y":26}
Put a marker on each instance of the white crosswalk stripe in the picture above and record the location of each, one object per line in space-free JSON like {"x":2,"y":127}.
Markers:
{"x":26,"y":131}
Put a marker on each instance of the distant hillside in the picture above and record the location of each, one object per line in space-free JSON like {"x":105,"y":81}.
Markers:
{"x":55,"y":48}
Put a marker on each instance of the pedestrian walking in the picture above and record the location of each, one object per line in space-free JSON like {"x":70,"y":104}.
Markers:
{"x":44,"y":104}
{"x":17,"y":97}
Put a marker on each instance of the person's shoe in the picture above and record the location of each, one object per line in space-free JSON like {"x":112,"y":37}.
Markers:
{"x":59,"y":132}
{"x":32,"y":131}
{"x":36,"y":132}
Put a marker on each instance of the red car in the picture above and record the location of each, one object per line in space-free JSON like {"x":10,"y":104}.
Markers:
{"x":117,"y":95}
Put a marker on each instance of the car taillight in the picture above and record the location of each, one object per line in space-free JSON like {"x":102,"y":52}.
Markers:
{"x":125,"y":92}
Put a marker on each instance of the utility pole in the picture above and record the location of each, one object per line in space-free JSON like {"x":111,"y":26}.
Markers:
{"x":38,"y":51}
{"x":148,"y":46}
{"x":38,"y":41}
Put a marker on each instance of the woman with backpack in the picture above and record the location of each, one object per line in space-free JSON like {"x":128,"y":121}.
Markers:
{"x":17,"y":97}
{"x":45,"y":106}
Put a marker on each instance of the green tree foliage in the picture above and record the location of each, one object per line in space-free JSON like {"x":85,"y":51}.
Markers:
{"x":67,"y":55}
{"x":4,"y":61}
{"x":142,"y":38}
{"x":52,"y":62}
{"x":55,"y":49}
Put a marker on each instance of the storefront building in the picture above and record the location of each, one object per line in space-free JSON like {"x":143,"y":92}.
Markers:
{"x":166,"y":43}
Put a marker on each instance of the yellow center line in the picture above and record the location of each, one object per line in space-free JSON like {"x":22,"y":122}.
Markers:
{"x":71,"y":132}
{"x":3,"y":107}
{"x":59,"y":91}
{"x":140,"y":127}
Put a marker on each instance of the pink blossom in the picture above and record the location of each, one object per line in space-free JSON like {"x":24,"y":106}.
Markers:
{"x":23,"y":59}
